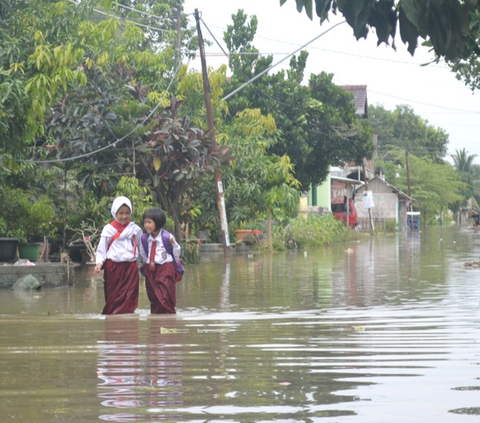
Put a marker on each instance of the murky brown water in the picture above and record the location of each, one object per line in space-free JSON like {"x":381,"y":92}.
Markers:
{"x":384,"y":330}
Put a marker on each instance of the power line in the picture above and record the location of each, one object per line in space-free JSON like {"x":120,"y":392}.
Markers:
{"x":125,"y":20}
{"x":410,"y":63}
{"x":426,"y":104}
{"x":276,"y":64}
{"x":133,"y":130}
{"x":91,"y":153}
{"x":348,"y":54}
{"x":240,"y":71}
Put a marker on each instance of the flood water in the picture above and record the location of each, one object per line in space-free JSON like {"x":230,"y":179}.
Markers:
{"x":382,"y":330}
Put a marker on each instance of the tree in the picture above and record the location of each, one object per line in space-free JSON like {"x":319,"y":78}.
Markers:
{"x":39,"y":56}
{"x":108,"y":126}
{"x":257,"y":184}
{"x":434,"y":186}
{"x":317,"y":124}
{"x":175,"y":155}
{"x":335,"y":134}
{"x":462,"y":161}
{"x":450,"y":26}
{"x":405,"y":130}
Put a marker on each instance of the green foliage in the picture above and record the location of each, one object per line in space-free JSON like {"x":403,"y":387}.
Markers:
{"x":140,"y":196}
{"x":449,"y":26}
{"x":402,"y":129}
{"x":433,"y":185}
{"x":24,"y":215}
{"x":463,"y":165}
{"x":88,"y":213}
{"x":314,"y":231}
{"x":462,"y":161}
{"x":191,"y":251}
{"x":390,"y":226}
{"x":317,"y":125}
{"x":174,"y":157}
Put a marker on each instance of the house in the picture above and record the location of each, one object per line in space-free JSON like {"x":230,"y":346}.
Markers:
{"x":321,"y":197}
{"x":359,"y":99}
{"x":390,"y":203}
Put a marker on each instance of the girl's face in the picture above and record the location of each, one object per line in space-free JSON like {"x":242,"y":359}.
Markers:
{"x":150,"y":227}
{"x":123,"y":215}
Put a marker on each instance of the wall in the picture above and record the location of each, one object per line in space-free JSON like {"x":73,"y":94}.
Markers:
{"x":50,"y":275}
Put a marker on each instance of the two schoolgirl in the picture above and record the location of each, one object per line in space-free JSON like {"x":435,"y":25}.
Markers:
{"x":122,"y":246}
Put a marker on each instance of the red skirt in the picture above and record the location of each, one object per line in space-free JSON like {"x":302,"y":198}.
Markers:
{"x":120,"y":287}
{"x":160,"y":285}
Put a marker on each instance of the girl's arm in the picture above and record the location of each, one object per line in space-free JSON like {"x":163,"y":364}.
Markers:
{"x":101,"y":254}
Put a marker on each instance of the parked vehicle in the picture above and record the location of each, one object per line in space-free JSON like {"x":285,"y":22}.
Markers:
{"x":339,"y":211}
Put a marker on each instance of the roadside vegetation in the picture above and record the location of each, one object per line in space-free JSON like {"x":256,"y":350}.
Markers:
{"x":95,"y":102}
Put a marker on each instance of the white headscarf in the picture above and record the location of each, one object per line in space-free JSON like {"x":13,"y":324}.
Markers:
{"x":119,"y":202}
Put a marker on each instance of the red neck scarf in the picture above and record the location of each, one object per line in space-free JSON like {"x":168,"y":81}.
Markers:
{"x":119,"y":229}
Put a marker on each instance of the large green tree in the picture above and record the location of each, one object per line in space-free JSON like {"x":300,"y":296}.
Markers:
{"x":450,"y":26}
{"x":86,"y":106}
{"x":40,"y":54}
{"x":403,"y":129}
{"x":317,"y":124}
{"x":434,"y":186}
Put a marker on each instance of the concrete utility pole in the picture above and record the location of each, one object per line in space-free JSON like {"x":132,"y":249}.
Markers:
{"x":218,"y":178}
{"x":178,"y":29}
{"x":372,"y":227}
{"x":408,"y":174}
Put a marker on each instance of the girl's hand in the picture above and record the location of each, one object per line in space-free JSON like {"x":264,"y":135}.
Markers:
{"x":172,"y":240}
{"x":97,"y":269}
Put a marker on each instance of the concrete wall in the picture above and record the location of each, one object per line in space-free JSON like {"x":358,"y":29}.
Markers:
{"x":48,"y":274}
{"x":386,"y":207}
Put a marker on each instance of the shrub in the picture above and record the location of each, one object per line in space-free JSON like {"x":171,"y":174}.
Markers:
{"x":314,"y":231}
{"x":25,"y":216}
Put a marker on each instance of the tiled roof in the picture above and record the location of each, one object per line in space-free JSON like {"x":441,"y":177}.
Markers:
{"x":359,"y":97}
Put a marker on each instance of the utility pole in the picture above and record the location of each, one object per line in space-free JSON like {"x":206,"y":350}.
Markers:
{"x":178,"y":29}
{"x":408,"y":174}
{"x":365,"y":180}
{"x":218,"y":177}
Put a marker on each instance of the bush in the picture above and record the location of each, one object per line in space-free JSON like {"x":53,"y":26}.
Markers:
{"x":314,"y":231}
{"x":24,"y":215}
{"x":390,"y":226}
{"x":191,"y":250}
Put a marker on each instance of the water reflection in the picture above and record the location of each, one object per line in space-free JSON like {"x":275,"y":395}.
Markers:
{"x":139,"y":379}
{"x":383,"y":330}
{"x":119,"y":366}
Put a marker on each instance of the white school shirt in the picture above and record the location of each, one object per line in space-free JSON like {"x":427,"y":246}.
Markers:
{"x":161,"y":255}
{"x":125,"y":248}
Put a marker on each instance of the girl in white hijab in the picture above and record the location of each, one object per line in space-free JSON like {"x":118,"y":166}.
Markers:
{"x":118,"y":253}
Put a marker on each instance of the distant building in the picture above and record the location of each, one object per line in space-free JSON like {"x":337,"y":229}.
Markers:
{"x":390,"y":203}
{"x":319,"y":197}
{"x":359,"y":99}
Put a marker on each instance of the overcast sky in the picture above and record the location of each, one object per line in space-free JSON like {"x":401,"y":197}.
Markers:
{"x":392,"y":77}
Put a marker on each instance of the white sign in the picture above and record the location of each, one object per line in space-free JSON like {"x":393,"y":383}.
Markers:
{"x":368,"y":200}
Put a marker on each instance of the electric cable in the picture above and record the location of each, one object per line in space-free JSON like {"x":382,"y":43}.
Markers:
{"x":240,"y":71}
{"x":91,"y":153}
{"x":276,"y":64}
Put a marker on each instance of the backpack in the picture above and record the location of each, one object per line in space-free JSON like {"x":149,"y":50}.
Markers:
{"x":179,"y":268}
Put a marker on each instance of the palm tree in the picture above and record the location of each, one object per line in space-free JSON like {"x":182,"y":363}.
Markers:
{"x":463,"y":164}
{"x":462,"y":161}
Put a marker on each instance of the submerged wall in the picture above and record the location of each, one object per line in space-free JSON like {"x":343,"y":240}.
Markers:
{"x":51,"y":275}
